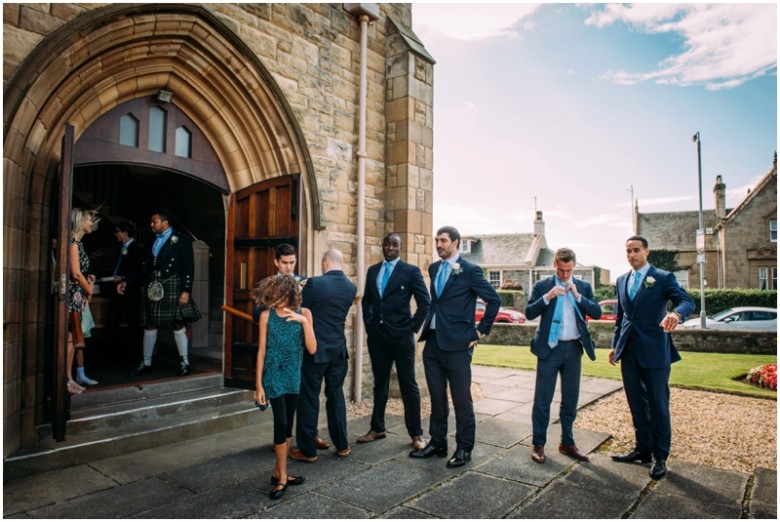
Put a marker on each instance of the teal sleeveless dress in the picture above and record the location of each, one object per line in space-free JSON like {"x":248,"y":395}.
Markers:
{"x":283,"y":357}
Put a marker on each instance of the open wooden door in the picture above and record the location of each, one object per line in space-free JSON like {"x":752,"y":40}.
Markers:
{"x":60,"y":399}
{"x":260,"y":218}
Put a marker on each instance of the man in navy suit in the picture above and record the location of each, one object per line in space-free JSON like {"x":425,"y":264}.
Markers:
{"x":563,"y":302}
{"x":329,"y":297}
{"x":645,"y":350}
{"x":391,"y":326}
{"x":450,"y":338}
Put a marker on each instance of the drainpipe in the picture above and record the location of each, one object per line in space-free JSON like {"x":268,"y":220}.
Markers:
{"x":366,"y":13}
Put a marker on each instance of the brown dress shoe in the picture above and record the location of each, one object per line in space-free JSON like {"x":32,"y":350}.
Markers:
{"x":297,"y":454}
{"x":572,"y":451}
{"x":418,"y":442}
{"x":321,"y":443}
{"x":372,"y":435}
{"x":342,"y":454}
{"x":537,"y":454}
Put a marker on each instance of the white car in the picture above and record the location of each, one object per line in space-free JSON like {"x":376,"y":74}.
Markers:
{"x":740,"y":318}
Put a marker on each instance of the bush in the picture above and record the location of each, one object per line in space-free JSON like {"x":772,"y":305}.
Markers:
{"x":764,"y":376}
{"x":512,"y":299}
{"x":719,"y":299}
{"x":605,"y":292}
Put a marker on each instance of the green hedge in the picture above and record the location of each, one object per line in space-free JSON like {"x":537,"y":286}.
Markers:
{"x":508,"y":297}
{"x":719,"y":299}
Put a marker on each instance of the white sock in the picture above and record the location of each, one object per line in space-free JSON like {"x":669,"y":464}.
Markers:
{"x":80,"y":373}
{"x":150,"y":338}
{"x":180,"y":336}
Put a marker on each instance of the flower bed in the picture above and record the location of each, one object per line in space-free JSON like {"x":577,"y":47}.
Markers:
{"x":764,"y":376}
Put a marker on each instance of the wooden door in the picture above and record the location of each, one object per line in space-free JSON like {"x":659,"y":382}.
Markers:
{"x":260,"y":218}
{"x":60,"y":397}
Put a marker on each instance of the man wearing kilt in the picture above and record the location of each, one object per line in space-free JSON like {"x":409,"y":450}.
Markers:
{"x":169,"y":270}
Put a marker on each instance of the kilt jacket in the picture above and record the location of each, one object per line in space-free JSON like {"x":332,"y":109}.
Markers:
{"x":175,"y":258}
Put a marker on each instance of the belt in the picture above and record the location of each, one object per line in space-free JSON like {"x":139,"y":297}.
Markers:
{"x":156,"y":273}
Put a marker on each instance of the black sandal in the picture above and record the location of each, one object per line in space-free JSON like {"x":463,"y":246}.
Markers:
{"x":276,"y":494}
{"x":291,"y":481}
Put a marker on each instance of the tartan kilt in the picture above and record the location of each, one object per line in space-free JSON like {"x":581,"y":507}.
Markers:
{"x":167,"y":311}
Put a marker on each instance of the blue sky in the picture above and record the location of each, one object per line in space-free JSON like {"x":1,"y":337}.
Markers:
{"x":574,"y":104}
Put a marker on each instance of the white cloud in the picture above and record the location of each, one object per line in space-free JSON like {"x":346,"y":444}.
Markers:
{"x":472,"y":21}
{"x":724,"y":45}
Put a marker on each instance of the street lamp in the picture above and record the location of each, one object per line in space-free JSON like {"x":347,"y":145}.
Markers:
{"x":700,"y":237}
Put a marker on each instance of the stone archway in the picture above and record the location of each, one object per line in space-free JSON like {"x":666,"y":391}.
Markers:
{"x":81,"y":71}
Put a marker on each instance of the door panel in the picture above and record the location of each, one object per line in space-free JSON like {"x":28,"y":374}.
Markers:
{"x":261,"y":217}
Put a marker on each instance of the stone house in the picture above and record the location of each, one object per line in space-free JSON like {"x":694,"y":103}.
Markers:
{"x":740,"y":245}
{"x":516,"y":259}
{"x":255,"y":124}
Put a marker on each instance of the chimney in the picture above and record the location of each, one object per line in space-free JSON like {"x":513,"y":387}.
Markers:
{"x":539,"y":224}
{"x":720,"y":197}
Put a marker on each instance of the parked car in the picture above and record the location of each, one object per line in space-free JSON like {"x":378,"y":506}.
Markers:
{"x":608,"y":310}
{"x":505,"y":315}
{"x":739,"y":318}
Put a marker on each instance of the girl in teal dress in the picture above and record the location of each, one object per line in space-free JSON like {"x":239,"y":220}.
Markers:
{"x":283,"y":335}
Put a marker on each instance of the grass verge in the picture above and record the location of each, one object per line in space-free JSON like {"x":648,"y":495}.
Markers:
{"x":717,"y":372}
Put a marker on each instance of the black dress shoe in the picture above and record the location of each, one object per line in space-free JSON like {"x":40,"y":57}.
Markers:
{"x":658,"y":469}
{"x":184,"y":368}
{"x":429,"y":451}
{"x":296,"y":481}
{"x":460,"y":458}
{"x":142,"y":369}
{"x":633,"y":456}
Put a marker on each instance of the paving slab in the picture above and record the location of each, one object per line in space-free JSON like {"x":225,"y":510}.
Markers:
{"x":604,"y":474}
{"x":564,"y":500}
{"x":493,"y":406}
{"x":677,"y":507}
{"x":52,"y":487}
{"x":502,"y":433}
{"x":763,"y":499}
{"x":311,"y":506}
{"x":217,"y":472}
{"x":406,"y":513}
{"x":516,"y":464}
{"x":231,"y":501}
{"x":123,"y":501}
{"x":473,"y":495}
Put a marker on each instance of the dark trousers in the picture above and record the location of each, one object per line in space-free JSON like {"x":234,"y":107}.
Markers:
{"x":647,"y":392}
{"x":283,"y":408}
{"x":384,"y":351}
{"x":312,"y":375}
{"x":566,"y":359}
{"x":442,"y":367}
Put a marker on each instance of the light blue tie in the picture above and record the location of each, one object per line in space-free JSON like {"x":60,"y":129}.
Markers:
{"x":441,"y":280}
{"x":635,"y":287}
{"x":555,"y":326}
{"x":119,"y":261}
{"x":385,"y":277}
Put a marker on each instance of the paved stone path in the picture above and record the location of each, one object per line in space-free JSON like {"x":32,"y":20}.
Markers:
{"x":227,"y":476}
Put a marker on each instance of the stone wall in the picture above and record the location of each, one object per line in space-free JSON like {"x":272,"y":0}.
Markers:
{"x":686,"y":340}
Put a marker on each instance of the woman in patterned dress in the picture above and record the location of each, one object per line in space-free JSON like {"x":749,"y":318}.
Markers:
{"x":80,"y":290}
{"x":283,"y":335}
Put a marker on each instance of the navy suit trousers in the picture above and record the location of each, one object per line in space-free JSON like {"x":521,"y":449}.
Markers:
{"x":566,"y":359}
{"x":312,"y":375}
{"x":442,"y":367}
{"x":647,"y":392}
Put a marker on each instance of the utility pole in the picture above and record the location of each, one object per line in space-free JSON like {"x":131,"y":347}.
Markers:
{"x":700,"y":236}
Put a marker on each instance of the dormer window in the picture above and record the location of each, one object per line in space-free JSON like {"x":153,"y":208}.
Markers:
{"x":465,"y":246}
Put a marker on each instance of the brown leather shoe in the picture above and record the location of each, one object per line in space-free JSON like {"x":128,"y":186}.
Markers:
{"x":297,"y":454}
{"x":537,"y":454}
{"x":418,"y":442}
{"x":342,"y":454}
{"x":321,"y":443}
{"x":372,"y":435}
{"x":572,"y":451}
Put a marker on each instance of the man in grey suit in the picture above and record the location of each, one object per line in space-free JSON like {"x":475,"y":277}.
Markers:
{"x":563,"y":302}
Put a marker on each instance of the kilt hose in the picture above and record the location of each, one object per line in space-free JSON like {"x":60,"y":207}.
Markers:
{"x":165,"y":312}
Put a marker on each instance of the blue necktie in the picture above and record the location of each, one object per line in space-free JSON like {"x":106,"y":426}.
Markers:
{"x":385,"y":277}
{"x":158,"y":243}
{"x":119,"y":261}
{"x":555,"y":326}
{"x":635,"y":287}
{"x":441,"y":280}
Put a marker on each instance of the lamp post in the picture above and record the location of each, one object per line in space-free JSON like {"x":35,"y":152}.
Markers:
{"x":700,"y":236}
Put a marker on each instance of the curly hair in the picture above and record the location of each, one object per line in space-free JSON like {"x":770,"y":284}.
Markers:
{"x":278,"y":289}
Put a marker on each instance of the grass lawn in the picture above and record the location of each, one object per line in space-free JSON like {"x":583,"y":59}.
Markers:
{"x":702,"y":371}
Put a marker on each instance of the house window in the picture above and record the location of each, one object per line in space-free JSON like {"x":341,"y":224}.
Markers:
{"x":682,"y":278}
{"x":156,"y":129}
{"x":763,"y":276}
{"x":128,"y":130}
{"x":494,"y":277}
{"x":183,"y":143}
{"x":465,"y":246}
{"x":773,"y":230}
{"x":774,"y":278}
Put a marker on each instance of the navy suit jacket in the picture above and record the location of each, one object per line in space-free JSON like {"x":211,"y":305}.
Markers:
{"x":175,"y":257}
{"x":638,"y":320}
{"x":329,"y":298}
{"x":130,"y":267}
{"x":393,"y":307}
{"x":536,"y":306}
{"x":455,"y":308}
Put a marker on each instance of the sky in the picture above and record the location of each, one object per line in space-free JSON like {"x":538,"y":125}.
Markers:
{"x":568,"y":108}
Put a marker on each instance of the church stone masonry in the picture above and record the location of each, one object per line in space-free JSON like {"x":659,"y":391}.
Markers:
{"x":273,"y":88}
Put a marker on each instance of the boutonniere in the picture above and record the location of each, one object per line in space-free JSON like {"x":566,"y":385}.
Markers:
{"x":456,"y":269}
{"x":649,"y":281}
{"x":124,"y":251}
{"x":174,"y":239}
